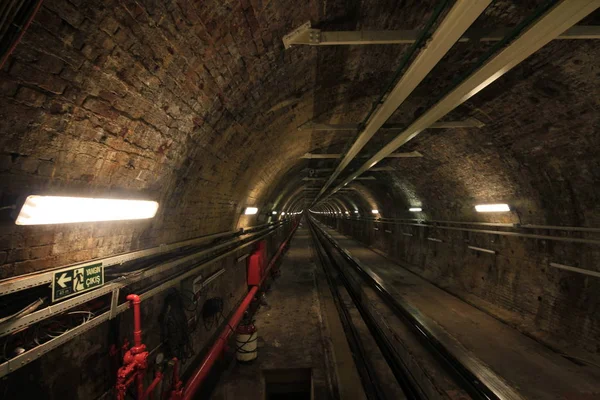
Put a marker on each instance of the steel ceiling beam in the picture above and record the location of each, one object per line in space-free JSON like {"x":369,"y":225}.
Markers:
{"x":459,"y":18}
{"x":311,"y":156}
{"x":316,"y":178}
{"x":412,"y":154}
{"x":318,"y":169}
{"x":379,"y":169}
{"x":307,"y":35}
{"x":548,"y":27}
{"x":365,"y":178}
{"x":467,"y":123}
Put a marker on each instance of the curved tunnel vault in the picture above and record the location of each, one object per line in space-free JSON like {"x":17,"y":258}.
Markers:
{"x":198,"y":105}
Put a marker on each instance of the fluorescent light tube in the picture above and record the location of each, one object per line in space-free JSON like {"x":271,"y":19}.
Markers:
{"x":43,"y":210}
{"x":415,"y":209}
{"x":250,"y":210}
{"x":375,"y":211}
{"x":492,"y":208}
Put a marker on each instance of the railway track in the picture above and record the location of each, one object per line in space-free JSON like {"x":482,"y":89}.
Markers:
{"x":347,"y":277}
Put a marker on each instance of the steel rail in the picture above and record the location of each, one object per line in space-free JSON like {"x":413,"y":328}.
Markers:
{"x":401,"y":372}
{"x":370,"y":382}
{"x":489,"y":232}
{"x":469,"y":372}
{"x":496,"y":224}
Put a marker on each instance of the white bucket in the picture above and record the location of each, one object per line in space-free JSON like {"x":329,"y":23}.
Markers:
{"x":246,"y":345}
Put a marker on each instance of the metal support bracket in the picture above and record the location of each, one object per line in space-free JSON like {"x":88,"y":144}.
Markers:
{"x":114,"y":303}
{"x":304,"y":34}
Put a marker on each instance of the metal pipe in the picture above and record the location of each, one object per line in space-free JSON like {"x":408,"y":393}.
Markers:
{"x":575,"y":269}
{"x":157,"y":379}
{"x":139,"y":364}
{"x":27,"y":281}
{"x":135,"y":302}
{"x":496,"y":224}
{"x":489,"y":232}
{"x":217,"y":348}
{"x":215,"y":351}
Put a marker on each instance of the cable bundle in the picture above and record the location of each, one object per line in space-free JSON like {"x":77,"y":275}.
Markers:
{"x":175,"y":331}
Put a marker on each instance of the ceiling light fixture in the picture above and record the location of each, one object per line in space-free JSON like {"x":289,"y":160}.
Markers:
{"x":250,"y":210}
{"x":43,"y":210}
{"x":492,"y":208}
{"x":274,"y":213}
{"x":375,"y":211}
{"x":415,"y":209}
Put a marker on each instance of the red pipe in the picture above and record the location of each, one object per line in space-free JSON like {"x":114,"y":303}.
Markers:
{"x":150,"y":389}
{"x":18,"y":39}
{"x":196,"y":380}
{"x":176,"y":392}
{"x":137,"y":339}
{"x":134,"y":359}
{"x":137,"y":319}
{"x":215,"y":351}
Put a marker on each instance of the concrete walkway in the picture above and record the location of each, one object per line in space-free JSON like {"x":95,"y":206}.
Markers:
{"x":298,"y":330}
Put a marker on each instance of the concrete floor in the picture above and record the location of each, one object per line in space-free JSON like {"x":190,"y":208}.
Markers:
{"x":298,"y":328}
{"x":531,"y":369}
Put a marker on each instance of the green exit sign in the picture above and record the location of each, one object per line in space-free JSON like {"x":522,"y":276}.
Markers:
{"x":72,"y":281}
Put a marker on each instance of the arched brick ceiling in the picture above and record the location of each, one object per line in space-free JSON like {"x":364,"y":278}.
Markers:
{"x":537,"y":150}
{"x":196,"y":104}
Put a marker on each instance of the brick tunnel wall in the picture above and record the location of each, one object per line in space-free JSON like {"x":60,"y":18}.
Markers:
{"x":515,"y":285}
{"x":137,"y":100}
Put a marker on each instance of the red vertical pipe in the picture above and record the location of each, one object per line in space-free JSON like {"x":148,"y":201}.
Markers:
{"x":137,"y":339}
{"x":137,"y":319}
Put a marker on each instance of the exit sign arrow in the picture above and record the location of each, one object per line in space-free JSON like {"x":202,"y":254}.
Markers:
{"x":64,"y":279}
